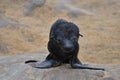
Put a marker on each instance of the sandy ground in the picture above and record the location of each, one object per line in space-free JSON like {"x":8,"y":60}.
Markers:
{"x":101,"y":41}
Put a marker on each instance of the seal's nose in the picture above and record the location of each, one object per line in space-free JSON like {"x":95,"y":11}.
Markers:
{"x":68,"y":46}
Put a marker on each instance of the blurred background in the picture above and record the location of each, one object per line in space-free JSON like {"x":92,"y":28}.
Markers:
{"x":25,"y":26}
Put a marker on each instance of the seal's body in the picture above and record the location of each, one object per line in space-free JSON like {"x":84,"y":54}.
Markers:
{"x":63,"y":46}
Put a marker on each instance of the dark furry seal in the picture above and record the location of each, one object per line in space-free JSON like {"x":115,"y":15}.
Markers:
{"x":63,"y":46}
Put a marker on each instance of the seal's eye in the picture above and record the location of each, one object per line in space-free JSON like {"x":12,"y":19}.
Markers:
{"x":59,"y":40}
{"x":74,"y":38}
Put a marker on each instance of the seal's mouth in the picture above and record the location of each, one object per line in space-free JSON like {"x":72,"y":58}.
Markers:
{"x":67,"y":50}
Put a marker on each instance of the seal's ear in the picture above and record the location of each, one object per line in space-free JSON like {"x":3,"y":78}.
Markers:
{"x":52,"y":35}
{"x":80,"y":35}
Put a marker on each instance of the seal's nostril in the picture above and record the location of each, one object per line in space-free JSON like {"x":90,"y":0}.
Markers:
{"x":68,"y":48}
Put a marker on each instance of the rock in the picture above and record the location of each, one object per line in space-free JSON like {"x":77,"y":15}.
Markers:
{"x":31,"y":5}
{"x":108,"y":78}
{"x":3,"y":48}
{"x":3,"y":22}
{"x":73,"y":11}
{"x":9,"y":22}
{"x":14,"y":68}
{"x":76,"y":12}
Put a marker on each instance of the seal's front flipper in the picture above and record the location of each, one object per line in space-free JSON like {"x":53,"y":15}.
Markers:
{"x":47,"y":64}
{"x":79,"y":66}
